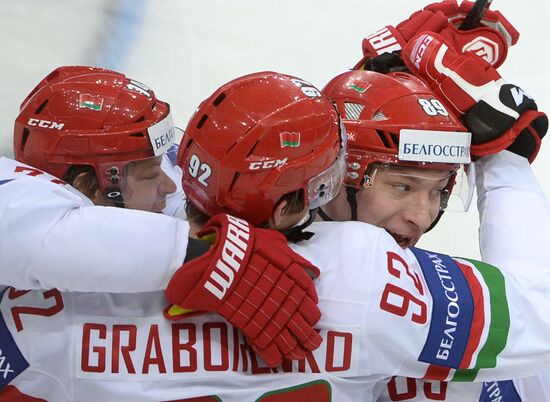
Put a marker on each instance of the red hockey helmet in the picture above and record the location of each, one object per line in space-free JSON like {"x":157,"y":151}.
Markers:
{"x":396,"y":119}
{"x":91,"y":116}
{"x":258,"y":138}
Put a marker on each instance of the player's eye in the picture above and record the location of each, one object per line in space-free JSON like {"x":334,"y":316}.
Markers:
{"x":152,"y":176}
{"x":401,"y":187}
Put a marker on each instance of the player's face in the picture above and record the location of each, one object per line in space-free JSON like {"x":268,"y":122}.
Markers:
{"x":404,"y":201}
{"x":146,"y":185}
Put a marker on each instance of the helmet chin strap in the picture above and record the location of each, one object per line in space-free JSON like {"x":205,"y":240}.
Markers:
{"x":436,"y":220}
{"x":296,"y":233}
{"x":324,"y":215}
{"x":352,"y":202}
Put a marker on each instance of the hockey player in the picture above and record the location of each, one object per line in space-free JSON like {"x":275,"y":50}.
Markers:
{"x":444,"y":18}
{"x":384,"y":187}
{"x":490,"y":99}
{"x":106,"y":135}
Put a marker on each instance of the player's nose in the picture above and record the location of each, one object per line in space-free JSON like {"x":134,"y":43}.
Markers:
{"x":167,"y":185}
{"x":419,"y":211}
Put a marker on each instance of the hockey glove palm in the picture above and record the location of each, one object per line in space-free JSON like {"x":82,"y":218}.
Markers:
{"x":255,"y":281}
{"x":499,"y":115}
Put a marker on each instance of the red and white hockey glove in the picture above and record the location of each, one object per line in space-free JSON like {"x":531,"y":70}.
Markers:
{"x":489,"y":41}
{"x":256,"y":282}
{"x":499,"y":115}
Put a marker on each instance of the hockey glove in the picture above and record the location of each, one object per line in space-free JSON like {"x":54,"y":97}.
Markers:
{"x":256,"y":282}
{"x":499,"y":115}
{"x":489,"y":41}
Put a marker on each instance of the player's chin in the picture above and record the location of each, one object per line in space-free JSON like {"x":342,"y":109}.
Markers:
{"x":158,"y":206}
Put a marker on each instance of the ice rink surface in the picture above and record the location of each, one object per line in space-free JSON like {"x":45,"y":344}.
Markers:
{"x":184,"y":49}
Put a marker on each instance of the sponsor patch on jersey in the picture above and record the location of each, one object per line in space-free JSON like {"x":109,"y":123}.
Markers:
{"x":452,"y":312}
{"x":12,"y":362}
{"x":5,"y":181}
{"x":499,"y":391}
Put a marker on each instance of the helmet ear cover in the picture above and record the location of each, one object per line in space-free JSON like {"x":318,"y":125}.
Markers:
{"x":89,"y":116}
{"x":258,"y":138}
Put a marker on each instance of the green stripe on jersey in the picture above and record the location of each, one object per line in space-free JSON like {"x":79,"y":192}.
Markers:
{"x":500,"y":321}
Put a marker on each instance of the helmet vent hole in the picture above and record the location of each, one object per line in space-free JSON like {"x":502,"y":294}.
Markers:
{"x":202,"y":120}
{"x":383,"y":138}
{"x":353,"y":110}
{"x":234,"y":181}
{"x":41,"y":107}
{"x":26,"y":133}
{"x":395,"y":139}
{"x":137,"y":135}
{"x":219,"y":99}
{"x":188,"y":145}
{"x":142,"y":118}
{"x":252,"y":149}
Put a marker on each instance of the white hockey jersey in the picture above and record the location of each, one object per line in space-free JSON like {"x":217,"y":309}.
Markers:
{"x":504,"y":216}
{"x":385,"y":312}
{"x":47,"y":228}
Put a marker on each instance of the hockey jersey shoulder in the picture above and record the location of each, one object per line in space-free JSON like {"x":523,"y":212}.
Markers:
{"x":31,"y":183}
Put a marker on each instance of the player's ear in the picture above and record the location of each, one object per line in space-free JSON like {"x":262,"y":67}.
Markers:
{"x":86,"y":183}
{"x":276,"y":220}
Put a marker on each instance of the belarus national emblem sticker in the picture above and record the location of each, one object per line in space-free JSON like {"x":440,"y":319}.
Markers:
{"x":90,"y":102}
{"x":289,"y":139}
{"x":358,"y":88}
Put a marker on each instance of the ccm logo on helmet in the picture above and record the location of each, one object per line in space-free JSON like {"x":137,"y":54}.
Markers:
{"x":267,"y":164}
{"x":45,"y":124}
{"x":233,"y":252}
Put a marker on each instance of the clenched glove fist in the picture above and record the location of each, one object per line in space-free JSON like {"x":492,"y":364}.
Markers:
{"x":499,"y":115}
{"x":257,"y":283}
{"x":489,"y":41}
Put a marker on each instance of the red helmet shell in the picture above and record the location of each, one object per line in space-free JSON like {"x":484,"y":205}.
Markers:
{"x":87,"y":116}
{"x":375,"y":108}
{"x":254,"y":140}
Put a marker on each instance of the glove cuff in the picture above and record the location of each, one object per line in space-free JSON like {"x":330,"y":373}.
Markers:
{"x":386,"y":40}
{"x":214,"y":273}
{"x":523,"y":138}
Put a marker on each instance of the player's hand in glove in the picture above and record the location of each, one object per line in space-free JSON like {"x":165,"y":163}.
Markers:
{"x":256,"y":282}
{"x":499,"y":115}
{"x":490,"y":40}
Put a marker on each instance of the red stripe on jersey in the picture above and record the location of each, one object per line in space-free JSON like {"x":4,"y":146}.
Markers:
{"x":10,"y":394}
{"x":478,"y":319}
{"x":435,"y":372}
